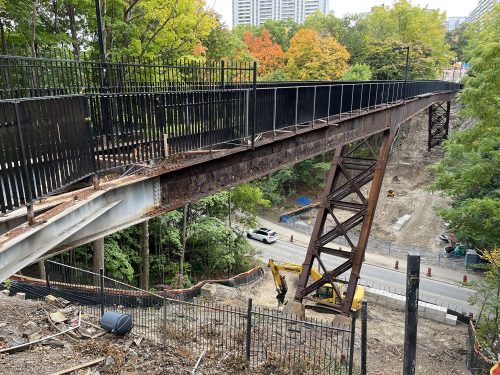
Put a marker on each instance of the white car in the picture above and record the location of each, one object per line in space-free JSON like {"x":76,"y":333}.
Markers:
{"x":265,"y":235}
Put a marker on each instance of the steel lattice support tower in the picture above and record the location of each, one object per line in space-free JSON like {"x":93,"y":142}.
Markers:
{"x":439,"y":121}
{"x":353,"y":167}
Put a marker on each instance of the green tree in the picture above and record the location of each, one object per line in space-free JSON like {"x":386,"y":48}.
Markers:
{"x":487,"y":299}
{"x":358,"y":72}
{"x":457,"y":39}
{"x":350,"y":31}
{"x":281,"y":31}
{"x":470,"y":171}
{"x":248,"y":199}
{"x":405,"y":24}
{"x":214,"y":250}
{"x":313,"y":57}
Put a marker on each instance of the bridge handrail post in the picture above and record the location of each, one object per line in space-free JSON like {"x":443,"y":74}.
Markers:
{"x":254,"y":109}
{"x":274,"y":112}
{"x":328,"y":110}
{"x":26,"y":169}
{"x":361,"y":99}
{"x":341,"y":100}
{"x":314,"y":106}
{"x":369,"y":95}
{"x":352,"y":98}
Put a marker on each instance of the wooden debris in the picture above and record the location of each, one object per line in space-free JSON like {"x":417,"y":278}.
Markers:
{"x":83,"y":365}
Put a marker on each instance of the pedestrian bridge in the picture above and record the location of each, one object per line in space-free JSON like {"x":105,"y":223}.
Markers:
{"x":80,"y":160}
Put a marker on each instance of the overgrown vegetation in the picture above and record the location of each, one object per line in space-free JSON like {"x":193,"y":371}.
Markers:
{"x":470,"y":173}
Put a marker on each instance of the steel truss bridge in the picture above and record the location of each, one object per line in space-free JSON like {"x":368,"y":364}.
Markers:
{"x":87,"y":148}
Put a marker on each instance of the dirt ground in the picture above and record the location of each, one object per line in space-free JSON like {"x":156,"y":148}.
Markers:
{"x":440,"y":348}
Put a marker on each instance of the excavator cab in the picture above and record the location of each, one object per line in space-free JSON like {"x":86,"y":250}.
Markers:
{"x":326,"y":291}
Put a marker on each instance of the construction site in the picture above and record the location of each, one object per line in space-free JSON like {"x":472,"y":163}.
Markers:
{"x":61,"y":333}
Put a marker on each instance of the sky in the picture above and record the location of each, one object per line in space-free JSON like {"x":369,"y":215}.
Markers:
{"x":453,"y":8}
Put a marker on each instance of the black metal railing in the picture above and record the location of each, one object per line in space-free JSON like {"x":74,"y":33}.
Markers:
{"x":149,"y":111}
{"x":55,"y":73}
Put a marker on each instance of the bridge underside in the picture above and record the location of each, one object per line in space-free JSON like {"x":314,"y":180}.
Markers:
{"x":83,"y":215}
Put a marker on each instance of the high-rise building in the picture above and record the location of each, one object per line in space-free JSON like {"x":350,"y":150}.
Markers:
{"x":483,"y":7}
{"x":256,"y":12}
{"x":452,"y":23}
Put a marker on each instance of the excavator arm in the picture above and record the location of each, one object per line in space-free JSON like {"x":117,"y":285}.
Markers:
{"x":325,"y":294}
{"x":279,"y":282}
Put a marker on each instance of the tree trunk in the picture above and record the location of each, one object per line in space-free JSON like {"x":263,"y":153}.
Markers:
{"x":181,"y":260}
{"x":70,"y":9}
{"x":145,"y":256}
{"x":33,"y":27}
{"x":98,"y":257}
{"x":2,"y":38}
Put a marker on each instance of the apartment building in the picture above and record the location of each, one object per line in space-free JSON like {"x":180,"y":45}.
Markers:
{"x":256,"y":12}
{"x":483,"y":6}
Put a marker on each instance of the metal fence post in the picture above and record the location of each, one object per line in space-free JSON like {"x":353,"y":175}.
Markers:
{"x":101,"y":289}
{"x":47,"y":276}
{"x":223,"y":85}
{"x":249,"y":330}
{"x":351,"y":344}
{"x":164,"y":320}
{"x":411,"y":313}
{"x":254,"y":104}
{"x":364,"y":322}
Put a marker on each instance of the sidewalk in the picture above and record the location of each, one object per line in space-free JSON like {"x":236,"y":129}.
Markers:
{"x":442,"y":274}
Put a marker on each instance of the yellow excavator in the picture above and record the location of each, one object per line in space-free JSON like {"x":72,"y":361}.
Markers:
{"x":324,"y":294}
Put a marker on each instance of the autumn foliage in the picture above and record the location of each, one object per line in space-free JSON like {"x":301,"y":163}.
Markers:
{"x":269,"y":56}
{"x":314,"y":57}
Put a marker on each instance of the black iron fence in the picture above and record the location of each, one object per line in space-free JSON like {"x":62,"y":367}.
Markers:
{"x":121,"y":113}
{"x":257,"y":335}
{"x":58,"y":72}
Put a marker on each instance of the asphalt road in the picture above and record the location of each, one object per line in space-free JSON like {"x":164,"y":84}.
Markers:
{"x":440,"y":293}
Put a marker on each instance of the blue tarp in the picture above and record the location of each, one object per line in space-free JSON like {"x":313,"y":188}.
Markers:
{"x":304,"y":201}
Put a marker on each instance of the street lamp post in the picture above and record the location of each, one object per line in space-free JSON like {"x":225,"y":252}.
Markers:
{"x":407,"y":48}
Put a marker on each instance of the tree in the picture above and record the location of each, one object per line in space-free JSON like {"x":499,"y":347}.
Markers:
{"x":408,"y":25}
{"x":268,"y":55}
{"x":387,"y":64}
{"x":312,"y":57}
{"x":281,"y":32}
{"x":350,"y":31}
{"x":358,"y":72}
{"x":487,"y":299}
{"x":481,"y":86}
{"x":457,"y":39}
{"x":470,"y":170}
{"x":248,"y":199}
{"x":222,"y":44}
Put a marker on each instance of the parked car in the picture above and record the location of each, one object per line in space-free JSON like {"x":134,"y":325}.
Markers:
{"x":265,"y":235}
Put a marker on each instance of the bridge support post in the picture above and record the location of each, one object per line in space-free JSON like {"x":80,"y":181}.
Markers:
{"x":350,"y":171}
{"x":439,"y":121}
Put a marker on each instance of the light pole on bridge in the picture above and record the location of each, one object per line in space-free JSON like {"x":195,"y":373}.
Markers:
{"x":407,"y":48}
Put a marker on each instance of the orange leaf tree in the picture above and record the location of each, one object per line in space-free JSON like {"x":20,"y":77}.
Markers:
{"x":269,"y":56}
{"x":313,"y":57}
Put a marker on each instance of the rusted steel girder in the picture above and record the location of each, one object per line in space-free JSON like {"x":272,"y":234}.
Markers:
{"x":343,"y":192}
{"x":439,"y":122}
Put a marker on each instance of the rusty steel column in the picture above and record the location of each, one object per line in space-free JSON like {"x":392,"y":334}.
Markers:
{"x":439,"y":122}
{"x":350,"y":171}
{"x":375,"y":187}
